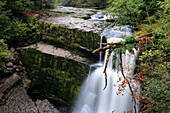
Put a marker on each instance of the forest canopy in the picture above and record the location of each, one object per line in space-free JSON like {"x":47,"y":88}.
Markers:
{"x":83,"y":3}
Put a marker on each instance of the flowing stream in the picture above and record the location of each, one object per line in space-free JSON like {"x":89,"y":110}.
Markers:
{"x":92,"y":98}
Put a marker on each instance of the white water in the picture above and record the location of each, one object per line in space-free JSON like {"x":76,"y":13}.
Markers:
{"x":92,"y":98}
{"x":102,"y":16}
{"x":100,"y":53}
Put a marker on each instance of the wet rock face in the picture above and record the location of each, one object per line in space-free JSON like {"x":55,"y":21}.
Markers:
{"x":11,"y":75}
{"x":57,"y":76}
{"x":19,"y":102}
{"x":7,"y":83}
{"x":44,"y":106}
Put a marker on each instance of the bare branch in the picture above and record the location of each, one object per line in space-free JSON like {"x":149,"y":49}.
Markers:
{"x":108,"y":55}
{"x":148,"y":34}
{"x":110,"y":43}
{"x":120,"y":59}
{"x":99,"y":49}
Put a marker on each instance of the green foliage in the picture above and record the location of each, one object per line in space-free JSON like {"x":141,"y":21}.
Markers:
{"x":14,"y":31}
{"x":98,"y":3}
{"x":120,"y":49}
{"x":134,"y":11}
{"x":43,"y":4}
{"x":66,"y":38}
{"x":18,"y":7}
{"x":82,"y":3}
{"x":153,"y":74}
{"x":129,"y":39}
{"x":4,"y":52}
{"x":17,"y":32}
{"x":114,"y":58}
{"x":4,"y":19}
{"x":152,"y":70}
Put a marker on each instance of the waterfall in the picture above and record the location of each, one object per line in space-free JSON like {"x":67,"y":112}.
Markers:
{"x":92,"y":98}
{"x":100,"y":53}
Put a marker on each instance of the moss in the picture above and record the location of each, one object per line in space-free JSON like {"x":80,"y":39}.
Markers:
{"x":69,"y":39}
{"x":53,"y":76}
{"x":86,"y":39}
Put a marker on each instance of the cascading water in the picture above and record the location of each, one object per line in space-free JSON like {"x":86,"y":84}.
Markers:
{"x":92,"y":97}
{"x":100,"y":53}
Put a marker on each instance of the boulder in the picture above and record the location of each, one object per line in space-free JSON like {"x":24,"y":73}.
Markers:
{"x":9,"y":64}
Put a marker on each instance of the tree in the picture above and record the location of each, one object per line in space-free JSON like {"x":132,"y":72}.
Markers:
{"x":43,"y":4}
{"x":83,"y":3}
{"x":4,"y":53}
{"x":134,"y":11}
{"x":17,"y":7}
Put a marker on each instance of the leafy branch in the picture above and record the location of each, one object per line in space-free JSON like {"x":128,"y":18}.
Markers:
{"x":128,"y":41}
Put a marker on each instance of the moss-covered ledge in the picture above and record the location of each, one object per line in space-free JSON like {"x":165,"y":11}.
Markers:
{"x":59,"y":52}
{"x":74,"y":40}
{"x":54,"y":77}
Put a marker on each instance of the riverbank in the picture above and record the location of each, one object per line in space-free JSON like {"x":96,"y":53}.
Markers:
{"x":53,"y":68}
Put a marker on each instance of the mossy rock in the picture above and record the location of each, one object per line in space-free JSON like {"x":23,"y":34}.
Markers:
{"x":69,"y":39}
{"x":53,"y":76}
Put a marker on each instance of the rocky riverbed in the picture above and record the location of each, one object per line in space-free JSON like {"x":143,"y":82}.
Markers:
{"x":75,"y":19}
